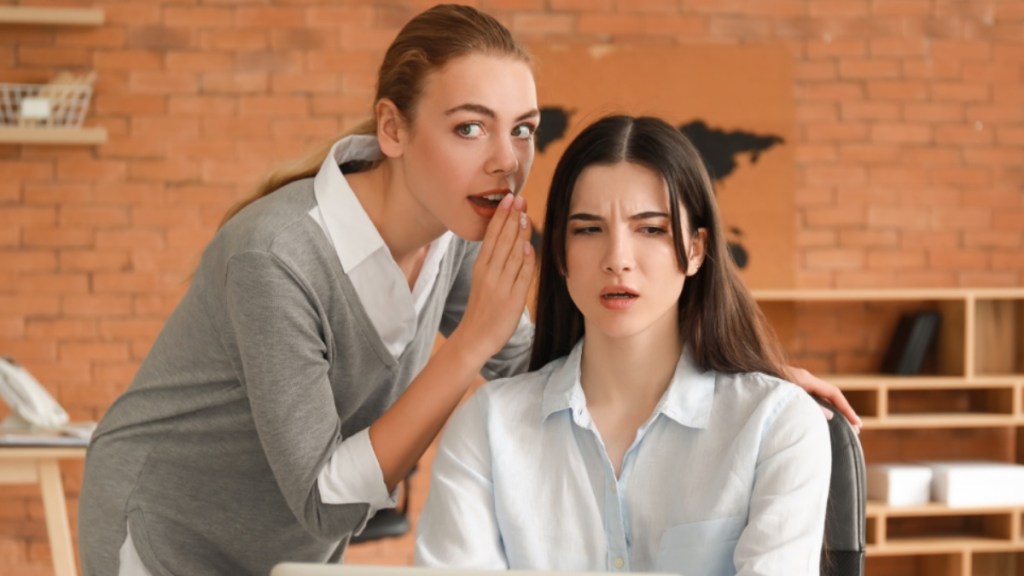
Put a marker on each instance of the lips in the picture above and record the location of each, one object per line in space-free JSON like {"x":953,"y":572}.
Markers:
{"x":618,"y":297}
{"x":486,"y":204}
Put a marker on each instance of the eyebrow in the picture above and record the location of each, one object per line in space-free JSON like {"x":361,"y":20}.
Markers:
{"x":585,"y":217}
{"x":485,"y":111}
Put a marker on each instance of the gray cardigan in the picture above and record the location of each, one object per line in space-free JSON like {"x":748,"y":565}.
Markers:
{"x":269,"y":360}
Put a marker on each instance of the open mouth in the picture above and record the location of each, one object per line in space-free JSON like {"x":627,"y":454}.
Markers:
{"x":489,"y":201}
{"x":619,"y":296}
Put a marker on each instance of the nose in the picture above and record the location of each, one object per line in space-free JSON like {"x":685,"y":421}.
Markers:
{"x":618,"y":255}
{"x":503,"y":159}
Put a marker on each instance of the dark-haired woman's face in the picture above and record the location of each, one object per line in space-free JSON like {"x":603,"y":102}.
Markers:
{"x":471,"y":141}
{"x":621,"y":266}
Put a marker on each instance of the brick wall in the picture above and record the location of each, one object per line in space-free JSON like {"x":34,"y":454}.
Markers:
{"x":910,"y":153}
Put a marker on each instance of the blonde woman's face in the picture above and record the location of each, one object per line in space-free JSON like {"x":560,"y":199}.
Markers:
{"x":621,"y":266}
{"x":471,"y":141}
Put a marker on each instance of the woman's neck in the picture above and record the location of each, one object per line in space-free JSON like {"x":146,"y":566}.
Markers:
{"x":399,"y":219}
{"x":628,"y":372}
{"x":623,"y":380}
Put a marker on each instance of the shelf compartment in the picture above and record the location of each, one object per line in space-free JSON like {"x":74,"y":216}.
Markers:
{"x":849,"y":332}
{"x":999,"y":336}
{"x":954,"y":402}
{"x":70,"y":136}
{"x":941,"y":563}
{"x":954,"y":528}
{"x":998,"y":564}
{"x":917,"y":441}
{"x":51,"y":16}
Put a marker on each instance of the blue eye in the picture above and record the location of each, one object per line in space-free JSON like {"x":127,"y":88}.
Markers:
{"x":469,"y":130}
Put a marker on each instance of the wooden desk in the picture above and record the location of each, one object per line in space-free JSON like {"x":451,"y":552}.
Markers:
{"x":38,"y":465}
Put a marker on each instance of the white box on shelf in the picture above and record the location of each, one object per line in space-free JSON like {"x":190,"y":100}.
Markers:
{"x":899,"y":484}
{"x":962,"y":483}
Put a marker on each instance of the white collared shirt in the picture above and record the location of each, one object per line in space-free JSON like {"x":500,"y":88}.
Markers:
{"x":376,"y":277}
{"x":729,"y":475}
{"x":353,"y":473}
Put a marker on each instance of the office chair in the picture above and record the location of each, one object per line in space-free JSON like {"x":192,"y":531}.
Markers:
{"x":845,"y":523}
{"x":389,"y":522}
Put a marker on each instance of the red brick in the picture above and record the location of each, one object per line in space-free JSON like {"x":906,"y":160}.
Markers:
{"x":958,"y":134}
{"x":235,"y":82}
{"x":901,"y":133}
{"x":28,"y":216}
{"x":959,"y":259}
{"x":129,"y":239}
{"x":869,"y":111}
{"x":829,"y":92}
{"x":834,"y":217}
{"x":996,"y":114}
{"x":896,"y":90}
{"x":28,"y":56}
{"x":869,"y":69}
{"x":53,"y":284}
{"x":205,"y":61}
{"x":172,"y":82}
{"x":898,"y":47}
{"x":101,"y":37}
{"x":97,"y":352}
{"x":933,"y":112}
{"x":962,"y":176}
{"x":897,"y":259}
{"x":869,"y":238}
{"x":96,"y":306}
{"x":91,"y":170}
{"x":834,"y":259}
{"x":165,"y":171}
{"x":63,"y":237}
{"x":230,"y":40}
{"x":59,"y":329}
{"x":160,"y":37}
{"x":28,"y":305}
{"x":898,"y":217}
{"x":124,"y":283}
{"x":269,"y":17}
{"x":837,"y":132}
{"x":961,"y":92}
{"x":194,"y":18}
{"x":836,"y":48}
{"x":961,"y":218}
{"x":836,"y":175}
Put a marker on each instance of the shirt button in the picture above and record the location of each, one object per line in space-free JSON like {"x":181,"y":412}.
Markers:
{"x":619,"y":562}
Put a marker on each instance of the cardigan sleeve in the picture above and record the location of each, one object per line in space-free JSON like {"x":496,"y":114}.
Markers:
{"x":284,"y":369}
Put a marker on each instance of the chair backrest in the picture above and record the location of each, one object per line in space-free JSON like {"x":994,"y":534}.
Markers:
{"x":845,"y":523}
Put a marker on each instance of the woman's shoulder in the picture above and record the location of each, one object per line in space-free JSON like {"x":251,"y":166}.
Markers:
{"x":517,"y":392}
{"x":767,"y":394}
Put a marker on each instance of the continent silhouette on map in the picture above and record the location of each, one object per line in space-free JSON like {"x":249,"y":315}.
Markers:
{"x":719,"y":149}
{"x":553,"y":122}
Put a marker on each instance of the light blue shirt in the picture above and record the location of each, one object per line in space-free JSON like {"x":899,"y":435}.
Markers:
{"x":729,"y":475}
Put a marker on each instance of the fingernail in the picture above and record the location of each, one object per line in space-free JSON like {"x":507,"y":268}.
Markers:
{"x":828,"y":413}
{"x":518,"y":202}
{"x":527,"y":248}
{"x":506,"y":201}
{"x":524,"y":220}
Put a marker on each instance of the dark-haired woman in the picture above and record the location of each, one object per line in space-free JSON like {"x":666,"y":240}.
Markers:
{"x":656,"y":431}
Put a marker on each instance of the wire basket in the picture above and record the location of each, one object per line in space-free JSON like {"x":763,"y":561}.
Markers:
{"x":57,"y":105}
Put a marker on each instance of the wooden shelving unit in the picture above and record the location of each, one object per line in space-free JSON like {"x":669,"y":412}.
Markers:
{"x":39,"y":15}
{"x":51,"y":16}
{"x":967,"y":404}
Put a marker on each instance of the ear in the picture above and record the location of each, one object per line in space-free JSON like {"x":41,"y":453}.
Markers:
{"x":391,"y":128}
{"x":696,"y":251}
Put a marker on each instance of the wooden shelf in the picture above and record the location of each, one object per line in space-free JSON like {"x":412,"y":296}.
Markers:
{"x":876,"y":509}
{"x":969,"y":405}
{"x":51,"y":16}
{"x":70,"y":136}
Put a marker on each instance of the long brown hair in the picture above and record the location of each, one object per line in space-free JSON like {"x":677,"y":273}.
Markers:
{"x":718,"y":318}
{"x":426,"y":43}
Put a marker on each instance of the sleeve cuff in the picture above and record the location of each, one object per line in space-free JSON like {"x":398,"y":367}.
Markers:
{"x":353,"y":476}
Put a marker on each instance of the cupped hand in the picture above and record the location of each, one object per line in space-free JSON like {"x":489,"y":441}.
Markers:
{"x":826,"y":391}
{"x":502,"y":276}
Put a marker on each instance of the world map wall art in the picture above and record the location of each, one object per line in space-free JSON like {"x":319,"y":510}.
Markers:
{"x":735,"y":103}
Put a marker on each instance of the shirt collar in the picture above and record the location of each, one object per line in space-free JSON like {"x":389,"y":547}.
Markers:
{"x":340,"y":210}
{"x":688,"y":400}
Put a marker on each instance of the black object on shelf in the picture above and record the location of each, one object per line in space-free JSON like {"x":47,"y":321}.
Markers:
{"x":914,"y":335}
